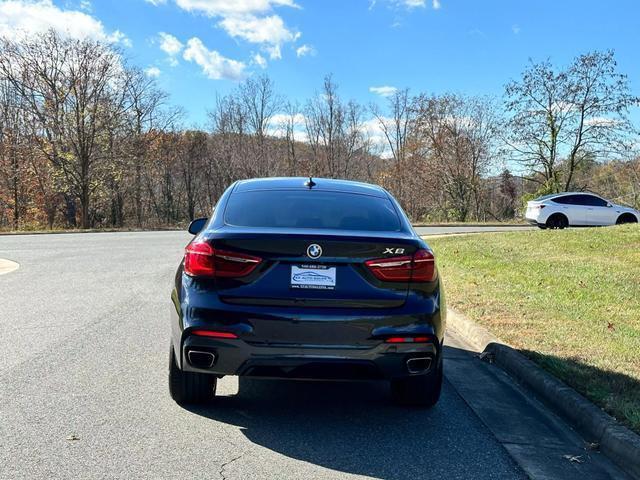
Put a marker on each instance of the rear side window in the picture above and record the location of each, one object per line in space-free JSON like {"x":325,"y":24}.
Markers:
{"x":594,"y":201}
{"x":311,"y":209}
{"x":582,"y":200}
{"x":570,"y":200}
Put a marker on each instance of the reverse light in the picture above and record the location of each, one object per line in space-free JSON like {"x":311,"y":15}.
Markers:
{"x":417,"y":268}
{"x":203,"y":260}
{"x":213,"y":334}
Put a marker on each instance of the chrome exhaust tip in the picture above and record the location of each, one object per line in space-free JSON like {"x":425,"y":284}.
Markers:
{"x":200,"y":359}
{"x":419,"y":364}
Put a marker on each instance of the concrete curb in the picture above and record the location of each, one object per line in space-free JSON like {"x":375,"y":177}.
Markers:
{"x":616,"y":441}
{"x":7,"y":266}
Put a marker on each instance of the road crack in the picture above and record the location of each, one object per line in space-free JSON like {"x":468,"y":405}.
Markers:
{"x":221,"y":472}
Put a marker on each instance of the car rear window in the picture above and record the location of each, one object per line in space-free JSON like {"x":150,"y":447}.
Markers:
{"x":545,"y":197}
{"x":311,"y":209}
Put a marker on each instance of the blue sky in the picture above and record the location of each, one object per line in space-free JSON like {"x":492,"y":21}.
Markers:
{"x":200,"y":48}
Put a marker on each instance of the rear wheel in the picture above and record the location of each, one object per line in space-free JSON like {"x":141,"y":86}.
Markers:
{"x":626,"y":218}
{"x":420,"y":391}
{"x":557,"y":221}
{"x":189,"y":387}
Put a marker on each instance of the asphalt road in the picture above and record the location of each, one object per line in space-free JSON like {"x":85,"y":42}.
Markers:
{"x":84,"y":335}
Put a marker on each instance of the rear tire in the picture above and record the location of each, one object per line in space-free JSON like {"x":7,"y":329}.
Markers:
{"x":626,"y":218}
{"x":557,"y":221}
{"x":418,"y":391}
{"x":189,"y":387}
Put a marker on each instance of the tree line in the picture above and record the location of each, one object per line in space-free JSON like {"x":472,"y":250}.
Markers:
{"x":89,"y":140}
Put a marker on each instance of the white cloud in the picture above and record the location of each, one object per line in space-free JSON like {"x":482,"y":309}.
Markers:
{"x":250,"y":20}
{"x":304,"y":50}
{"x":274,"y":52}
{"x":28,"y":17}
{"x":270,"y":31}
{"x":384,"y":91}
{"x":410,"y":3}
{"x":153,"y":72}
{"x":217,"y":8}
{"x":170,"y":44}
{"x":602,"y":122}
{"x":260,"y":60}
{"x":156,"y":2}
{"x":213,"y":65}
{"x":283,"y":118}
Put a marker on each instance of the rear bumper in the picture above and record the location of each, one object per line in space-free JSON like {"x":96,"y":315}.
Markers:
{"x":382,"y":361}
{"x":533,"y":219}
{"x":307,"y":342}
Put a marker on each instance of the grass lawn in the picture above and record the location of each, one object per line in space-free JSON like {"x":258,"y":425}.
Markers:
{"x":568,"y":299}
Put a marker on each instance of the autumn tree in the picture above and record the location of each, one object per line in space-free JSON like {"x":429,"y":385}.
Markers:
{"x":74,"y":89}
{"x":457,"y":137}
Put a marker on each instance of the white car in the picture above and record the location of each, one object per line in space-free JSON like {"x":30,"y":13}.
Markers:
{"x":560,"y":210}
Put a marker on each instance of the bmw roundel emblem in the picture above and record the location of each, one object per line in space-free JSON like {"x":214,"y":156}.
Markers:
{"x":314,"y":250}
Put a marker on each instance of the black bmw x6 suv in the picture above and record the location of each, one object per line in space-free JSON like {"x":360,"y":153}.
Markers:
{"x":307,"y":279}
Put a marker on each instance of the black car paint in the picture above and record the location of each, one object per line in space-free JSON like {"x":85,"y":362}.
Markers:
{"x":279,"y":336}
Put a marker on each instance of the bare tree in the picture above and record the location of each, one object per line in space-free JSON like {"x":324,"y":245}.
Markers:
{"x":194,"y":153}
{"x":146,"y":113}
{"x":560,"y":118}
{"x":260,"y":103}
{"x":396,"y":129}
{"x":335,"y":133}
{"x":457,"y":136}
{"x":292,"y":113}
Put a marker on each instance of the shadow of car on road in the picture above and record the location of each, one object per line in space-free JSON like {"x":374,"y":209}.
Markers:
{"x":354,"y":428}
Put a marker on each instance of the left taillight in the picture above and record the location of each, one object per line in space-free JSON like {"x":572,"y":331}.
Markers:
{"x":203,"y":260}
{"x":419,"y":267}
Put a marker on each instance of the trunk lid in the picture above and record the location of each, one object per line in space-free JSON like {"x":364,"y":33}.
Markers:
{"x":289,"y":275}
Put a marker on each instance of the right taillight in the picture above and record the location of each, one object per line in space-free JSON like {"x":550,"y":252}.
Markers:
{"x":424,"y":266}
{"x":417,"y":268}
{"x":203,"y":260}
